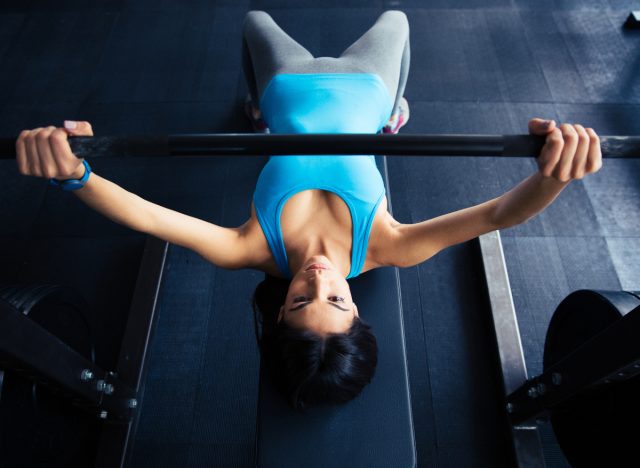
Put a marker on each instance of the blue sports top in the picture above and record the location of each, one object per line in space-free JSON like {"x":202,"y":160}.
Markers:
{"x":322,"y":103}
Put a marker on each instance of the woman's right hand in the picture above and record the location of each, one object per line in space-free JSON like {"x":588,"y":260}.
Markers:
{"x":45,"y":152}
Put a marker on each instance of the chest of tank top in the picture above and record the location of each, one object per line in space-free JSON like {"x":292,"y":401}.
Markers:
{"x":355,"y":179}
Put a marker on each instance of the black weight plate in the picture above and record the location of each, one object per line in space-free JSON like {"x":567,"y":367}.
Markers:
{"x":597,"y":428}
{"x":38,"y":425}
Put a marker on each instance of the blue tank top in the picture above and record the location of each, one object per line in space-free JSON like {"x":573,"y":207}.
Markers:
{"x":322,"y":103}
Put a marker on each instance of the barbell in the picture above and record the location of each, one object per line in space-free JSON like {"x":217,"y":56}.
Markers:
{"x":241,"y":144}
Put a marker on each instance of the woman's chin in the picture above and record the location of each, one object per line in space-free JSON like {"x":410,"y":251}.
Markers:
{"x":320,"y":259}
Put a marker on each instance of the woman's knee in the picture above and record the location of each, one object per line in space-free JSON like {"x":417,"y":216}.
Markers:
{"x":395,"y":18}
{"x":397,"y":15}
{"x":254,"y":17}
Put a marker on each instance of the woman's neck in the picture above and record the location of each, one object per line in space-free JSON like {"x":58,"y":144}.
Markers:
{"x":340,"y":258}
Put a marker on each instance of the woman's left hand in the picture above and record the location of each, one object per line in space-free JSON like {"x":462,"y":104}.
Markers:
{"x":569,"y":152}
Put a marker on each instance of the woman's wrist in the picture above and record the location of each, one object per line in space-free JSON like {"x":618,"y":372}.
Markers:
{"x":551,"y":181}
{"x":77,"y":174}
{"x":527,"y":199}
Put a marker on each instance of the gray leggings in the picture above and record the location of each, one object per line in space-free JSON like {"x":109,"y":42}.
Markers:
{"x":384,"y":50}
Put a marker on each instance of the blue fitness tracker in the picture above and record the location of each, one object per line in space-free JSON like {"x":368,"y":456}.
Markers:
{"x":73,"y":184}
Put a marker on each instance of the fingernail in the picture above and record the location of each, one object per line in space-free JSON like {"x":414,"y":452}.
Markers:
{"x":70,"y":124}
{"x":546,"y":123}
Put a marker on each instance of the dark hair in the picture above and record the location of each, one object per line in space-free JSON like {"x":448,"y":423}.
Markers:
{"x":307,"y":368}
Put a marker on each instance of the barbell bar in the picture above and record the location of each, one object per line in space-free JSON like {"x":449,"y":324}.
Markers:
{"x":249,"y":144}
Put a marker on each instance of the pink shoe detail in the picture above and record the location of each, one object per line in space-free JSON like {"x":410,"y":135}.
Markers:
{"x":394,"y":125}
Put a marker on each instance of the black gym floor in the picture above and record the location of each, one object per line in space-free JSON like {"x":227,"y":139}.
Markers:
{"x":162,"y":67}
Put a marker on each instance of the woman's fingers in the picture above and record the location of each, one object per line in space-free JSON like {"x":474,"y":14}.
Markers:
{"x":66,"y":161}
{"x":48,"y":165}
{"x":78,"y":128}
{"x":21,"y":153}
{"x":594,"y":158}
{"x":550,"y":154}
{"x":538,"y":126}
{"x":32,"y":153}
{"x":580,"y":158}
{"x":45,"y":152}
{"x":570,"y":152}
{"x":562,"y":171}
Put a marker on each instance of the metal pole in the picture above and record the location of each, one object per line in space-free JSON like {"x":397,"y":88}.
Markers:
{"x":240,"y":144}
{"x":526,"y":440}
{"x":116,"y":439}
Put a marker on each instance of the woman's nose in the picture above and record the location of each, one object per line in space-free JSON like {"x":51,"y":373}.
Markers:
{"x":317,"y":280}
{"x":317,"y":273}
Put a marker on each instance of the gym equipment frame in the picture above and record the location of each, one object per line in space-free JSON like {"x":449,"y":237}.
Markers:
{"x":112,"y":395}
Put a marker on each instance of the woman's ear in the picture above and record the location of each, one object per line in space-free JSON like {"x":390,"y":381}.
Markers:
{"x":280,"y":314}
{"x":355,"y":308}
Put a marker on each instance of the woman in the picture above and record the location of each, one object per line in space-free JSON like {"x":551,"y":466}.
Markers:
{"x":316,"y":221}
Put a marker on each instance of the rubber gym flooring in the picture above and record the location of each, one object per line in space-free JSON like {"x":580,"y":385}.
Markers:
{"x":135,"y":67}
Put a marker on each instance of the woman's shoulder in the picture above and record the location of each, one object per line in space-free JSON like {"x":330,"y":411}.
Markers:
{"x":383,"y":233}
{"x":261,"y":256}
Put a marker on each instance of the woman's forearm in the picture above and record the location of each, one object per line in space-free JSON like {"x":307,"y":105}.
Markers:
{"x":527,"y":199}
{"x":113,"y":201}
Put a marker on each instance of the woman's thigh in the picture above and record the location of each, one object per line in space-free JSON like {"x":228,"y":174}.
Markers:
{"x":268,"y":50}
{"x":383,"y":50}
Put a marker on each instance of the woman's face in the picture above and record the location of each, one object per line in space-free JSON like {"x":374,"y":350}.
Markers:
{"x":319,"y":299}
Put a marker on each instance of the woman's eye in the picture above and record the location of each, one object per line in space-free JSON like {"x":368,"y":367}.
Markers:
{"x":298,"y":299}
{"x":336,"y":299}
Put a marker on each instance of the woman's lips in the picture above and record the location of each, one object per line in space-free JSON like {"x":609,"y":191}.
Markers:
{"x":317,"y":266}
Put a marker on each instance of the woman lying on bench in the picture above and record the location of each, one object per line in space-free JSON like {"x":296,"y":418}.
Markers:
{"x":317,"y":221}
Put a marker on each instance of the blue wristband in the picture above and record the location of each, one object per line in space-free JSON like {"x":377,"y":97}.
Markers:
{"x":73,"y":184}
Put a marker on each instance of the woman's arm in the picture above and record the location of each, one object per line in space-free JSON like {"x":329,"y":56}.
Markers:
{"x":224,"y":247}
{"x":569,"y":153}
{"x":112,"y":201}
{"x":45,"y":152}
{"x":526,"y":200}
